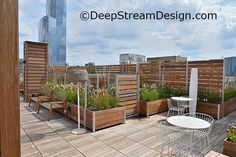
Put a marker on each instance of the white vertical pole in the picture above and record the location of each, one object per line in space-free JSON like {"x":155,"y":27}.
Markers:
{"x":85,"y":102}
{"x":193,"y":89}
{"x":78,"y":104}
{"x":78,"y":130}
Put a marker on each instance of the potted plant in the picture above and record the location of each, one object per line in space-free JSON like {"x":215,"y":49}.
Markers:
{"x":154,"y":100}
{"x":230,"y":142}
{"x":229,"y":100}
{"x":102,"y":109}
{"x":209,"y":102}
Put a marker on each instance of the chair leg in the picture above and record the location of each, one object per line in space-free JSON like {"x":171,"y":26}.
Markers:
{"x":37,"y":107}
{"x":168,"y":113}
{"x":29,"y":102}
{"x":50,"y":112}
{"x":162,"y":149}
{"x":208,"y":141}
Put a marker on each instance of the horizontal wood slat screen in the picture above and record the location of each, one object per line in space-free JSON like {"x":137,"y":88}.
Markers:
{"x":128,"y":94}
{"x":175,"y":74}
{"x":35,"y":71}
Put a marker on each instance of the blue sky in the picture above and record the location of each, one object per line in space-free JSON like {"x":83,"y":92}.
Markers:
{"x":102,"y":41}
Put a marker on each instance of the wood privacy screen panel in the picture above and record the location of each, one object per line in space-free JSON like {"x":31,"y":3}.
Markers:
{"x":35,"y":71}
{"x":151,"y":72}
{"x":210,"y":73}
{"x":171,"y":74}
{"x":127,"y":92}
{"x":174,"y":74}
{"x":56,"y":73}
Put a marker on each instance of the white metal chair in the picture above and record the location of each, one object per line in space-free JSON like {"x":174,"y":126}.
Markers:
{"x":179,"y":141}
{"x":203,"y":134}
{"x":178,"y":107}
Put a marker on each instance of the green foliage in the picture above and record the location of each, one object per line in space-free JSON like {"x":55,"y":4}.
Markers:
{"x":149,"y":93}
{"x":91,"y":71}
{"x":101,"y":101}
{"x":104,"y":101}
{"x":209,"y":96}
{"x":112,"y":90}
{"x":229,"y":93}
{"x":231,"y":132}
{"x":21,"y":82}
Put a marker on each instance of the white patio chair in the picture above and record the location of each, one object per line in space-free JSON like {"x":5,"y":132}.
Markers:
{"x":203,"y":134}
{"x":179,"y":141}
{"x":178,"y":107}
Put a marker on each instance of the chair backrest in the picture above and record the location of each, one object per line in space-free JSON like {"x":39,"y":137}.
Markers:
{"x":57,"y":96}
{"x":169,"y":102}
{"x":172,"y":103}
{"x":205,"y":117}
{"x":175,"y":135}
{"x":193,"y":89}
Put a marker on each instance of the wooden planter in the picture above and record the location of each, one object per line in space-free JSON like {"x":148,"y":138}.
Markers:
{"x":229,"y":148}
{"x":96,"y":120}
{"x":217,"y":110}
{"x":152,"y":107}
{"x":209,"y":108}
{"x":229,"y":106}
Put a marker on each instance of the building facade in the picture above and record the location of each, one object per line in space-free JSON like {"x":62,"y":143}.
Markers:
{"x":230,"y":66}
{"x":129,"y":58}
{"x":167,"y":59}
{"x":52,"y":30}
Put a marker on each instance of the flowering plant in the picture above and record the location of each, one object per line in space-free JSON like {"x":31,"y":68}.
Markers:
{"x":231,"y":132}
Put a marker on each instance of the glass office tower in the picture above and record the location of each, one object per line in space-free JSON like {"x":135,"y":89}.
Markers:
{"x":52,"y":30}
{"x":230,"y":66}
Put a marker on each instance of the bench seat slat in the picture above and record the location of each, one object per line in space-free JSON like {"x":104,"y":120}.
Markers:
{"x":47,"y":105}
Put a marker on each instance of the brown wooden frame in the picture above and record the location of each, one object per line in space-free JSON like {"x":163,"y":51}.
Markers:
{"x":9,"y":80}
{"x":54,"y":104}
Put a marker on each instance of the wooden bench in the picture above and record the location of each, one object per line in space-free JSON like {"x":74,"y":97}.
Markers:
{"x":59,"y":101}
{"x":43,"y":96}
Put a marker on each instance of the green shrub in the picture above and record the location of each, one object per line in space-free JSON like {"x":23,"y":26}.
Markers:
{"x":96,"y":102}
{"x":209,"y":96}
{"x":103,"y":101}
{"x":21,"y":82}
{"x":229,"y":93}
{"x":231,"y":132}
{"x":148,"y":93}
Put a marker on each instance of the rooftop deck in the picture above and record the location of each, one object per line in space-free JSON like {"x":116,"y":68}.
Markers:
{"x":137,"y":137}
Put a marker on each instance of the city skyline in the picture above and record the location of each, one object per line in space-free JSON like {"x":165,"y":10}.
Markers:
{"x":52,"y":30}
{"x":102,"y":41}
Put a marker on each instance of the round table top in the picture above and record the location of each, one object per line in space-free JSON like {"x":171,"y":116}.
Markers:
{"x":182,"y":99}
{"x":188,"y":122}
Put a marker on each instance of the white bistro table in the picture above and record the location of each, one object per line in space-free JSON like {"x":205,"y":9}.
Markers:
{"x":182,"y":102}
{"x":188,"y":122}
{"x":192,"y":124}
{"x":182,"y":99}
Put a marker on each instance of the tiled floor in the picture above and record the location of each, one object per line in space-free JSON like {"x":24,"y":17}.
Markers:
{"x":137,"y":137}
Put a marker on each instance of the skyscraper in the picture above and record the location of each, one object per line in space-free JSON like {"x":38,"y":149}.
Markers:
{"x":230,"y":66}
{"x":52,"y":30}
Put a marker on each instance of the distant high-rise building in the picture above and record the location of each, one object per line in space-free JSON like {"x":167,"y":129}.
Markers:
{"x":230,"y":66}
{"x":129,"y":58}
{"x":52,"y":30}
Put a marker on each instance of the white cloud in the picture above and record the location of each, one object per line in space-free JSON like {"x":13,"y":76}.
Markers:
{"x":102,"y":41}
